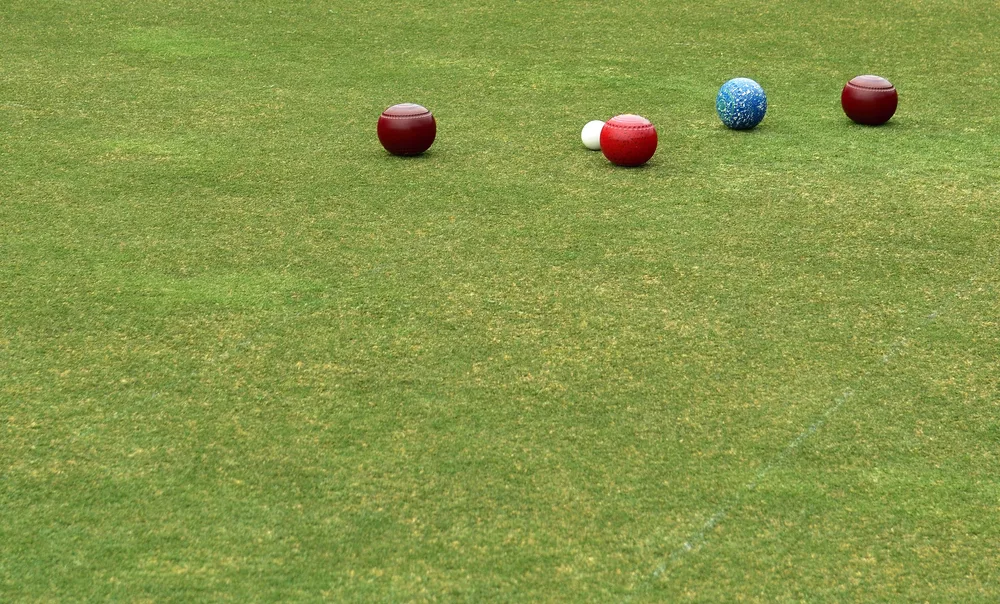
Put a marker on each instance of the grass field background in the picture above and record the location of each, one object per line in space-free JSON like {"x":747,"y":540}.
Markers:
{"x":246,"y":354}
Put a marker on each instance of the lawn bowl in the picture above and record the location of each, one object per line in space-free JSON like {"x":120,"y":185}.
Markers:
{"x":628,"y":140}
{"x":869,"y":99}
{"x":406,"y":129}
{"x":741,"y":104}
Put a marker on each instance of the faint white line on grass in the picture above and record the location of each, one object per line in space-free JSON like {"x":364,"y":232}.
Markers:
{"x":695,"y":539}
{"x":699,"y":536}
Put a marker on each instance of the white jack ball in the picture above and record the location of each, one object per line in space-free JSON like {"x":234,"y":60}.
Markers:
{"x":591,"y":135}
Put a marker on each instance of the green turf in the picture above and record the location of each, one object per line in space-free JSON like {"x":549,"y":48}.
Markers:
{"x":245,"y":354}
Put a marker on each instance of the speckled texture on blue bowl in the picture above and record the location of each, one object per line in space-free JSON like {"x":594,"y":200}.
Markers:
{"x":741,"y":103}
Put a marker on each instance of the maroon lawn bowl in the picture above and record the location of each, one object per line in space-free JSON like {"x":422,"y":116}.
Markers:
{"x":869,"y":100}
{"x":406,"y":129}
{"x":628,"y":140}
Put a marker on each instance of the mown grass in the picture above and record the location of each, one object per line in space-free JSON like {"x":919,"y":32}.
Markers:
{"x":245,"y":354}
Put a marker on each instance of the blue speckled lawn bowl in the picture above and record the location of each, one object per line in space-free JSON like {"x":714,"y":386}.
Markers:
{"x":741,"y":103}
